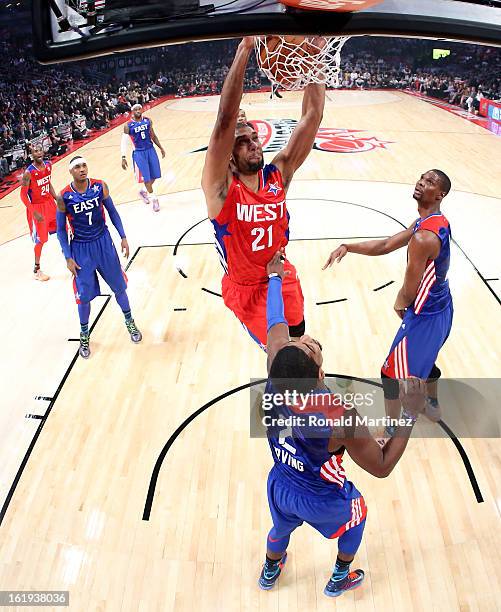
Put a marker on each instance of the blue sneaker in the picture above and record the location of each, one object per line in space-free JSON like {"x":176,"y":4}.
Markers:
{"x":390,"y":431}
{"x":335,"y":588}
{"x":269,"y":577}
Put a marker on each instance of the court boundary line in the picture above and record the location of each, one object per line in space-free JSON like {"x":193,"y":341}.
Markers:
{"x":383,"y":286}
{"x":173,"y":437}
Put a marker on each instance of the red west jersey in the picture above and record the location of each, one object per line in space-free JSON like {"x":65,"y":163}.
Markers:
{"x":38,"y":190}
{"x":252,"y":227}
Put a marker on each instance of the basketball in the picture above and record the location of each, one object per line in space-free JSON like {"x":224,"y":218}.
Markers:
{"x":284,"y":57}
{"x":274,"y":51}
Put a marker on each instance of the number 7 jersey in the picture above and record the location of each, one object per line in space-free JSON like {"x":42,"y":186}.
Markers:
{"x":85,"y":211}
{"x":252,"y":227}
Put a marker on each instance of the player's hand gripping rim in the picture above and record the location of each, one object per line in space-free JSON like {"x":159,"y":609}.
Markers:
{"x":336,"y":256}
{"x":276,"y":265}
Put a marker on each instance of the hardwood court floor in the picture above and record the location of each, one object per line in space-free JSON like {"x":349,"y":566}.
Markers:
{"x":75,"y":517}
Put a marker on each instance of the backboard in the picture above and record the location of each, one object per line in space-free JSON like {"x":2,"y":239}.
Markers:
{"x":72,"y":29}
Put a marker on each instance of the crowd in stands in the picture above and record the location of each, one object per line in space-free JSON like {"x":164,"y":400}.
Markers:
{"x":69,"y":101}
{"x":469,"y":73}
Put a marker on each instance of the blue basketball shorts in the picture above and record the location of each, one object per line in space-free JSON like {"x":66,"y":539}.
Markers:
{"x":417,"y":344}
{"x":332,"y":514}
{"x":96,"y":256}
{"x":146,"y":165}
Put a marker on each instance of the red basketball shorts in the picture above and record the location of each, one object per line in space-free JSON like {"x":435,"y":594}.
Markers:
{"x":248,"y":303}
{"x":40,"y":230}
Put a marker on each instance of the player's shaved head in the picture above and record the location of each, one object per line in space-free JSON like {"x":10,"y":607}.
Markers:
{"x":293,"y":370}
{"x":445,"y":181}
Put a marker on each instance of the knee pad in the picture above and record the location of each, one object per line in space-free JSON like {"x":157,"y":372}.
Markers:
{"x":435,"y":374}
{"x":391,"y":387}
{"x":296,"y":331}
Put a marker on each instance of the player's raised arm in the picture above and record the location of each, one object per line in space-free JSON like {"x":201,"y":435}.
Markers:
{"x":216,"y":173}
{"x":303,"y":137}
{"x":371,"y":247}
{"x":422,"y":247}
{"x":154,"y":138}
{"x":364,"y":449}
{"x":277,"y":326}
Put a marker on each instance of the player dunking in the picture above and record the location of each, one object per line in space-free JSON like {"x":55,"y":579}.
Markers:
{"x":91,"y":249}
{"x":39,"y":197}
{"x":246,"y":201}
{"x":144,"y":157}
{"x":308,"y":481}
{"x":424,"y":302}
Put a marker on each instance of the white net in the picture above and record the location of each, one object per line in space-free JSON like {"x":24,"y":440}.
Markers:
{"x":296,"y":61}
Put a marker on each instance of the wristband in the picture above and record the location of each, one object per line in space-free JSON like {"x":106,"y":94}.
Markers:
{"x":273,"y":275}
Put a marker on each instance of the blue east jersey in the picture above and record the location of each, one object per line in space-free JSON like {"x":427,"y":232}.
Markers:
{"x":140,"y":134}
{"x":85,"y":211}
{"x":308,"y":481}
{"x":427,"y":322}
{"x":144,"y":156}
{"x":91,"y":245}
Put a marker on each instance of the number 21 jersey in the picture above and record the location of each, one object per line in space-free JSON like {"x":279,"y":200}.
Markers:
{"x":252,"y":227}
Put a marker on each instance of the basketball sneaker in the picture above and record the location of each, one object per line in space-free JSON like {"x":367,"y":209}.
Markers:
{"x":155,"y":203}
{"x":384,"y":435}
{"x":135,"y":335}
{"x":84,"y":350}
{"x":270,"y":573}
{"x":143,"y":194}
{"x":40,"y":276}
{"x":432,"y":409}
{"x":335,"y":588}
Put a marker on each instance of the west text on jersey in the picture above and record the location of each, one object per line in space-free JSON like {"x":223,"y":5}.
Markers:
{"x":254,"y":213}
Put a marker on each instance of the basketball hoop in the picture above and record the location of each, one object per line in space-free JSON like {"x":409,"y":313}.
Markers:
{"x":296,"y":61}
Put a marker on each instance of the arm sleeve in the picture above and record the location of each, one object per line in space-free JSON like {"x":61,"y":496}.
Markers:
{"x":124,"y":145}
{"x":62,"y":234}
{"x":274,"y":303}
{"x":114,"y":216}
{"x":25,"y":198}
